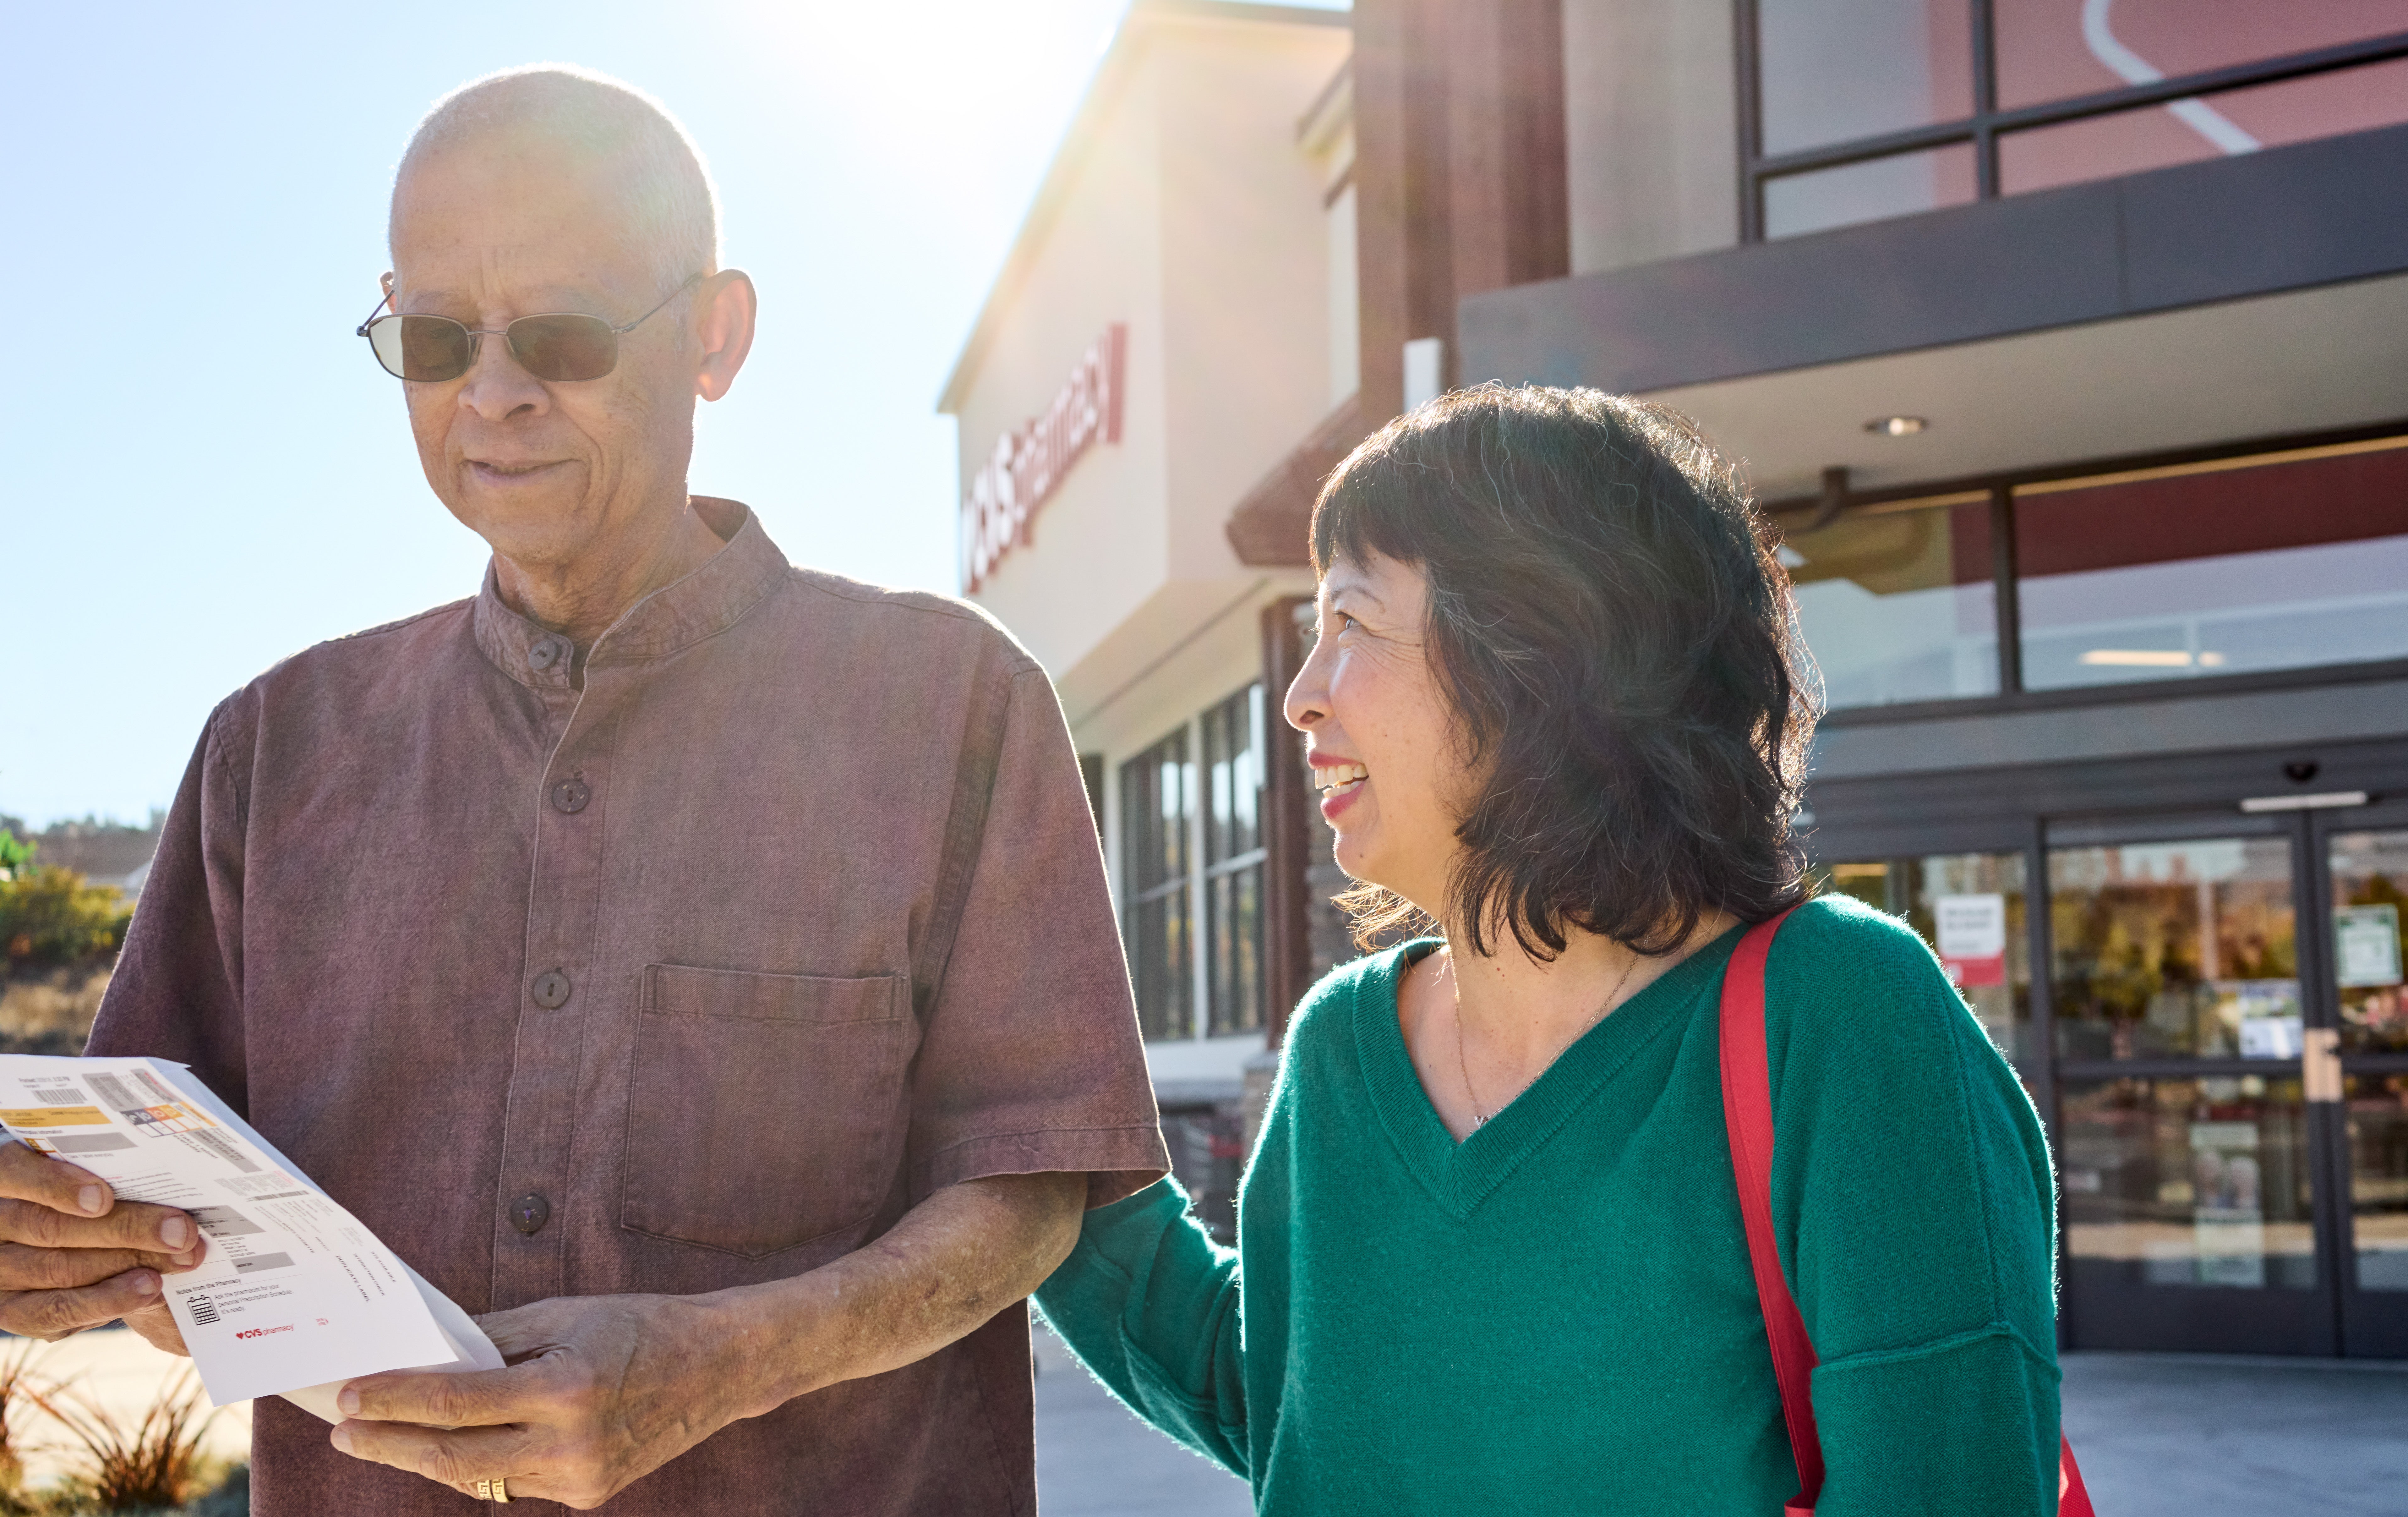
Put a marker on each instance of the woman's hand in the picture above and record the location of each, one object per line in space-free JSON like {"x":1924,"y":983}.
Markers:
{"x":600,"y":1392}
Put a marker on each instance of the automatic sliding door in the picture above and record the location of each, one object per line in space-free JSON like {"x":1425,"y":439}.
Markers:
{"x":2185,"y":1142}
{"x":2366,"y":865}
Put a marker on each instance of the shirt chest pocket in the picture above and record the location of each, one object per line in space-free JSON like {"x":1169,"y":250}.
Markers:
{"x":767,"y":1110}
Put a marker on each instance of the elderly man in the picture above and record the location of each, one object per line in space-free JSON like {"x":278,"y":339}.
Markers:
{"x":700,"y":965}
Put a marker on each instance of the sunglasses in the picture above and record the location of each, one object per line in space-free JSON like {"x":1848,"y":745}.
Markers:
{"x":560,"y":346}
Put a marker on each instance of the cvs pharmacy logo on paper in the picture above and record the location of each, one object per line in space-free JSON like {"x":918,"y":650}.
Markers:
{"x":262,"y":1332}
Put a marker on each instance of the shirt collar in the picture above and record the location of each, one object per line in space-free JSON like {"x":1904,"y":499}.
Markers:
{"x":711,"y":600}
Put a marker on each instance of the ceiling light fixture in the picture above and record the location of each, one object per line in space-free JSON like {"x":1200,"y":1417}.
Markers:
{"x":1896,"y":426}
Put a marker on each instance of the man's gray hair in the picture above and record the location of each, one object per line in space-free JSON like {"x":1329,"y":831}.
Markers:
{"x":672,"y":210}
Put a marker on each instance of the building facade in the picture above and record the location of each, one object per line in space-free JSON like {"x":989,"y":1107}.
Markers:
{"x":2061,"y":339}
{"x":1163,"y":330}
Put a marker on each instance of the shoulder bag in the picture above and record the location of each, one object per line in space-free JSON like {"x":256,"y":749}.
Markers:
{"x":1747,"y":1110}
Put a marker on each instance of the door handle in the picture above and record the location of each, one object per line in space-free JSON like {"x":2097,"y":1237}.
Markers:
{"x":2320,"y":1062}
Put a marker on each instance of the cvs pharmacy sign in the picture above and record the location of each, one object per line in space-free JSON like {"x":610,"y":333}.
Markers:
{"x":1028,"y":463}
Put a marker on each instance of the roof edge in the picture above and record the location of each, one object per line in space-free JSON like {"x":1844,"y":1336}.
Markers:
{"x":1120,"y":56}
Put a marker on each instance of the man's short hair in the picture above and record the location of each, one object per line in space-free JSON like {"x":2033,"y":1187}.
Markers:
{"x":672,"y":208}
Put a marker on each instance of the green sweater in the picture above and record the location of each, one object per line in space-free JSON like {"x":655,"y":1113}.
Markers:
{"x":1556,"y":1315}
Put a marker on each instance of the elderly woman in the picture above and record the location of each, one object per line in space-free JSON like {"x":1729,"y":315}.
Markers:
{"x":1490,"y":1256}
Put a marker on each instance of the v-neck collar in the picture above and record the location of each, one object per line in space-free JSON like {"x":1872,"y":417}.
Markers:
{"x":1460,"y":1175}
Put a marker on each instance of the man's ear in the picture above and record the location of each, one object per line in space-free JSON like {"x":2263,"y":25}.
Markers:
{"x":728,"y":307}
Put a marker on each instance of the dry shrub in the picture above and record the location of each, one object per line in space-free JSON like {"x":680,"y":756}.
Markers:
{"x":16,"y":1388}
{"x":50,"y":1013}
{"x":135,"y":1465}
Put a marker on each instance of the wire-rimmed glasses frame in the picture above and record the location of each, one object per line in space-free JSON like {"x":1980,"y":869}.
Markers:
{"x":550,"y":345}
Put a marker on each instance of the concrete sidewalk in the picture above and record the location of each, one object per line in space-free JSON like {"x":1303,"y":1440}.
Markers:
{"x":2158,"y":1436}
{"x":1094,"y":1459}
{"x":2163,"y":1435}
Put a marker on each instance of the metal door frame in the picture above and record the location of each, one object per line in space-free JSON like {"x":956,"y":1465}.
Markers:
{"x":2273,"y":1320}
{"x":2371,"y":1324}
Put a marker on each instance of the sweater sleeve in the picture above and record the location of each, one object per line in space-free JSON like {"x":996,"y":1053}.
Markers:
{"x":1150,"y":1305}
{"x":1915,"y":1206}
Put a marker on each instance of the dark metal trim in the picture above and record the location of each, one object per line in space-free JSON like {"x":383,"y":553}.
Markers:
{"x":2118,"y":695}
{"x":1750,"y":97}
{"x":2008,"y":613}
{"x":1985,"y":101}
{"x":1988,"y":124}
{"x":2113,"y":463}
{"x":2082,"y":1070}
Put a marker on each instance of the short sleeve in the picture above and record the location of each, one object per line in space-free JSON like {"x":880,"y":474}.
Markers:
{"x":1030,"y":1061}
{"x":175,"y":993}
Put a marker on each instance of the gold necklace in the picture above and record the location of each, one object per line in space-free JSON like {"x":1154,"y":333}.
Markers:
{"x":1463,"y":1065}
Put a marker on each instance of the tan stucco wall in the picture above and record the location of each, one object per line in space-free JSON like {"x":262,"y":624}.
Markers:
{"x":1192,"y":214}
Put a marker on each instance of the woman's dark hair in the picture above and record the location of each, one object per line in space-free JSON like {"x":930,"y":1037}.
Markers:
{"x":1614,"y":638}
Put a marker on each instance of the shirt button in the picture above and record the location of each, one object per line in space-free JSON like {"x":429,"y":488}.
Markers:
{"x":551,"y":990}
{"x":529,"y":1212}
{"x":570,"y":796}
{"x":546,"y":652}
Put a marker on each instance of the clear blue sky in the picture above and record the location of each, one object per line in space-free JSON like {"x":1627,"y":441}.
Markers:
{"x":203,"y":471}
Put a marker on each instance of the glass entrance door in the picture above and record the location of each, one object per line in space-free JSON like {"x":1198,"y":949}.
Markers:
{"x":2191,"y":1170}
{"x":2215,"y":1008}
{"x":2363,"y":857}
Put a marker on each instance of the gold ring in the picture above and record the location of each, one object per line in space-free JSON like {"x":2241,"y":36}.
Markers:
{"x":496,"y":1489}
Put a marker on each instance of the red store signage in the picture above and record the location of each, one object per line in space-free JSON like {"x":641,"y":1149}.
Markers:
{"x":1028,"y":463}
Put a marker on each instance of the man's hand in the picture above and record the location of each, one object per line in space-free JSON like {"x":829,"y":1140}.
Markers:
{"x":73,"y":1256}
{"x":603,"y":1390}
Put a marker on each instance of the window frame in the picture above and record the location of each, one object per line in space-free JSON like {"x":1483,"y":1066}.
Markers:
{"x":2006,"y":577}
{"x":1248,"y":702}
{"x":1202,"y":1015}
{"x":1175,"y":747}
{"x":1988,"y":124}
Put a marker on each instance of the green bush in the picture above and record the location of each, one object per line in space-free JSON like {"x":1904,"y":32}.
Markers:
{"x":51,"y":916}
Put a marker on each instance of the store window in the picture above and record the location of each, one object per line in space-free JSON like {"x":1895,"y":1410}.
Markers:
{"x":1836,"y":70}
{"x":2370,"y":898}
{"x":1157,"y":816}
{"x":1870,"y":108}
{"x":2053,"y":49}
{"x":1875,"y":190}
{"x":1970,"y":908}
{"x":2188,"y":1182}
{"x":2377,"y":1107}
{"x":2212,"y":126}
{"x":2215,"y":568}
{"x":1898,"y":603}
{"x":2185,"y":948}
{"x":1234,"y":856}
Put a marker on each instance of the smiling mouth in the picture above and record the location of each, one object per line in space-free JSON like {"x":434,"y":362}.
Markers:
{"x":509,"y":471}
{"x":1337,"y":779}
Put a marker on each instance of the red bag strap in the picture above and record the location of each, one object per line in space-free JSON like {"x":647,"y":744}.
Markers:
{"x":1747,"y":1113}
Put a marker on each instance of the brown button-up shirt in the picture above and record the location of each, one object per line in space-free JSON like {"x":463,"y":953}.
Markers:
{"x":694,"y":966}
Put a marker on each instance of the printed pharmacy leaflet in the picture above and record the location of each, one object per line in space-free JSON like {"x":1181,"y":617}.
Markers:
{"x":294,"y":1295}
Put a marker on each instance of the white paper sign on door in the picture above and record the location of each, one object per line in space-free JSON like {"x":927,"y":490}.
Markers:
{"x":1972,"y":938}
{"x":2366,"y":944}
